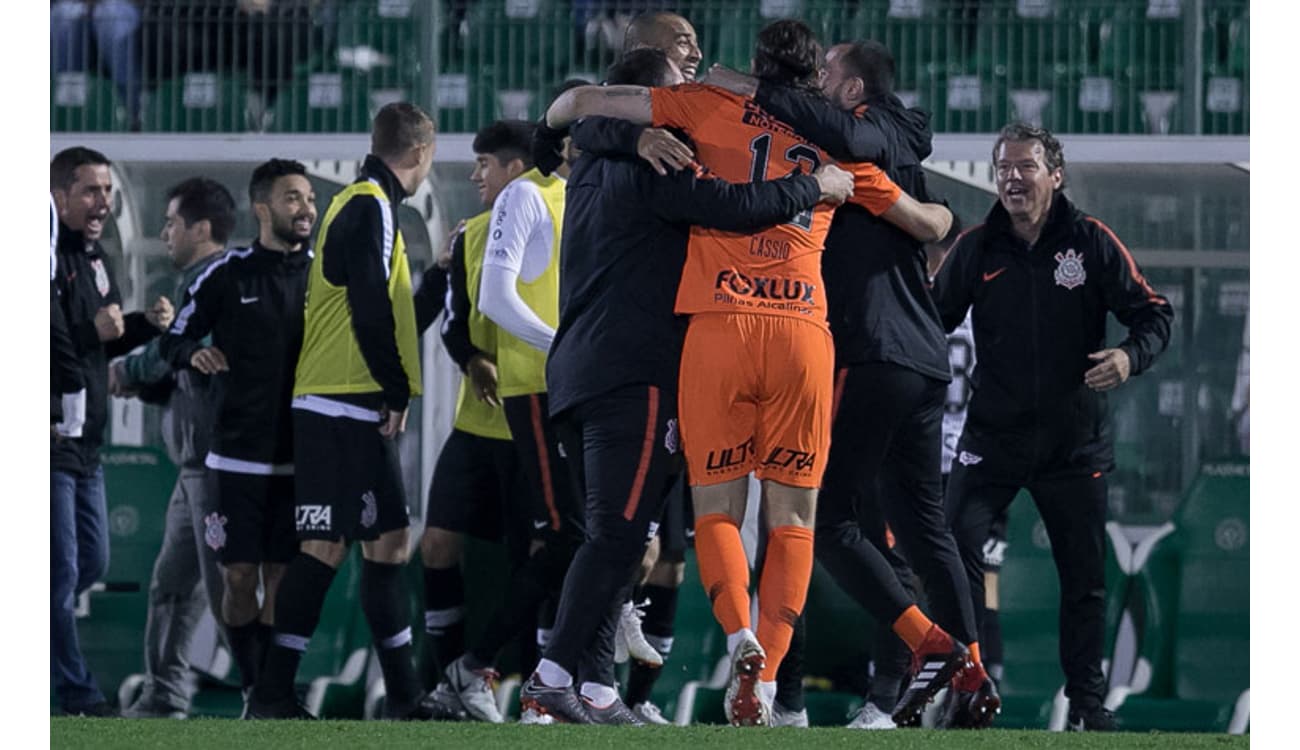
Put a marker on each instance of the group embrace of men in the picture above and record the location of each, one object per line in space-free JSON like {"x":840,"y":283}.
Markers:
{"x":675,"y":285}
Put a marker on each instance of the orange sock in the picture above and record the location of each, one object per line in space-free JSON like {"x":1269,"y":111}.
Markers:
{"x":912,"y":626}
{"x":975,"y":652}
{"x":724,"y":569}
{"x":782,"y":591}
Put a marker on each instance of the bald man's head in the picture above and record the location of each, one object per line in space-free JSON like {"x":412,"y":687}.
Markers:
{"x":668,"y":32}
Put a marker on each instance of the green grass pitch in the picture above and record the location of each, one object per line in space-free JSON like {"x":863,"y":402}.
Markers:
{"x":198,"y":734}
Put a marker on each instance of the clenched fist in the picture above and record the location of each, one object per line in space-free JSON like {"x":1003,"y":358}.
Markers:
{"x":109,"y":324}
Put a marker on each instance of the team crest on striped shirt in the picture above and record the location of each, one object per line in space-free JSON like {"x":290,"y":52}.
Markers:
{"x":1069,"y":269}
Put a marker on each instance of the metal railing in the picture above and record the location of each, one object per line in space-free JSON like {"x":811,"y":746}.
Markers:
{"x":324,"y":66}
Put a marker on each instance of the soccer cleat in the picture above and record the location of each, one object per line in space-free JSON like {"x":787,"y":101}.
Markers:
{"x":871,"y":717}
{"x":287,"y":708}
{"x":539,"y":702}
{"x":1090,"y":718}
{"x":475,"y":689}
{"x":784,"y":717}
{"x":650,"y":713}
{"x":933,"y":665}
{"x":743,"y":705}
{"x":630,"y":641}
{"x":616,"y":713}
{"x":973,"y":700}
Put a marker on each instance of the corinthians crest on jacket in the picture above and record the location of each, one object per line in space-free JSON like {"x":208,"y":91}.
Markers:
{"x":1069,"y":269}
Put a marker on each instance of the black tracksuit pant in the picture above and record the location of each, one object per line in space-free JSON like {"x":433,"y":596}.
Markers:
{"x":1073,"y":509}
{"x":623,"y":449}
{"x":886,"y":444}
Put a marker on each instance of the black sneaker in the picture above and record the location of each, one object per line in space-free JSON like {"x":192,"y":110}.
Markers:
{"x":1091,"y":718}
{"x":541,"y":704}
{"x":286,"y":708}
{"x":615,"y":713}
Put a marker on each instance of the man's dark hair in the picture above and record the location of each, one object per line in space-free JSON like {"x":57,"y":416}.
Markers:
{"x":506,"y":140}
{"x":874,"y":64}
{"x":259,"y":187}
{"x":64,"y":165}
{"x":646,"y":66}
{"x":200,"y":198}
{"x":398,"y":128}
{"x":1053,"y":152}
{"x":787,"y":53}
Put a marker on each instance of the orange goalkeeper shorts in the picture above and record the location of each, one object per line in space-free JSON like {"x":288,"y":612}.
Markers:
{"x":755,"y":395}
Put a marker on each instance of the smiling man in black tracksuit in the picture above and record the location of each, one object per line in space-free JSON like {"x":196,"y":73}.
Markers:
{"x":613,"y":366}
{"x":1039,"y":277}
{"x":251,"y":303}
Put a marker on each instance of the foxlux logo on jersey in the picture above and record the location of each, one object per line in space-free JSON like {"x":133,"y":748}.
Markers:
{"x":783,"y":293}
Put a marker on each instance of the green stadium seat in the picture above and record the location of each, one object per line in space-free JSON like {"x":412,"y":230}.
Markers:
{"x":198,"y":103}
{"x":1209,"y":597}
{"x":728,"y":35}
{"x":332,"y":102}
{"x":83,"y":102}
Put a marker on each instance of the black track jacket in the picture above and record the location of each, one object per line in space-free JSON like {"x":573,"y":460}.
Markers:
{"x":84,"y":283}
{"x":252,"y":301}
{"x":1037,"y":314}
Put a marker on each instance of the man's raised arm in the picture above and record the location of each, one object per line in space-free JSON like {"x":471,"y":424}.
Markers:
{"x":624,"y":102}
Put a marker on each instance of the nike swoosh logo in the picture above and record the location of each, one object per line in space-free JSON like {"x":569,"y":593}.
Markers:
{"x":248,"y":300}
{"x":995,"y":274}
{"x":539,"y":524}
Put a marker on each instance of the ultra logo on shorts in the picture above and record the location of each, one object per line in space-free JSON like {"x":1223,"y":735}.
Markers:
{"x":314,"y":517}
{"x":802,"y":461}
{"x":728,"y":457}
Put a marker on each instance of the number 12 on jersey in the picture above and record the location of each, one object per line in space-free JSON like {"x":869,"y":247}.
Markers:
{"x":799,"y":155}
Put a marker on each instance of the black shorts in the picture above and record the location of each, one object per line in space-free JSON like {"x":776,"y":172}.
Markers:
{"x":677,"y":526}
{"x":474,"y":487}
{"x":555,"y":507}
{"x":254,"y":521}
{"x":349,"y":479}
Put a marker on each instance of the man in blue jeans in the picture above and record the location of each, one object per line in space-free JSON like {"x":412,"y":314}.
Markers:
{"x":82,"y":186}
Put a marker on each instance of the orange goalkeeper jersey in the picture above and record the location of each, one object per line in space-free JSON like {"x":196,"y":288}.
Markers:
{"x":776,"y":271}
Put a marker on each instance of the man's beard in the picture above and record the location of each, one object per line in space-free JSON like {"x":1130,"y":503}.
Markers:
{"x":284,"y":232}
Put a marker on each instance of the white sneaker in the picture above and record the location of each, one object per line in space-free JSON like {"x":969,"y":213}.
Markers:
{"x":474,"y":688}
{"x":630,"y":641}
{"x":871,"y":717}
{"x":744,"y":704}
{"x":784,"y":717}
{"x":649,"y":713}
